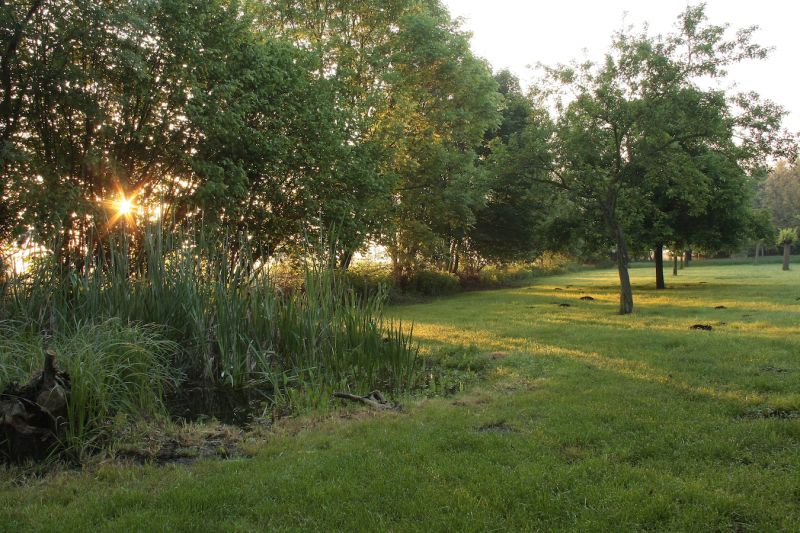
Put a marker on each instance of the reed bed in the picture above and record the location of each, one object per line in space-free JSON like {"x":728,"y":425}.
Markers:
{"x":133,"y":322}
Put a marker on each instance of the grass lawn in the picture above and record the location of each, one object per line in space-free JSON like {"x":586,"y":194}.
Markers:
{"x":586,"y":421}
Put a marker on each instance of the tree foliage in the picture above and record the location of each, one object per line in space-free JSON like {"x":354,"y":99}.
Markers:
{"x":781,"y":194}
{"x":646,"y":146}
{"x":177,"y":105}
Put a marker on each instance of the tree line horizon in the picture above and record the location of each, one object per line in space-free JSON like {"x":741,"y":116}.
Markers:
{"x":354,"y":123}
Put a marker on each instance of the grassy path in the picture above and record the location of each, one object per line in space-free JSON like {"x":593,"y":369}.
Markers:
{"x":591,"y":421}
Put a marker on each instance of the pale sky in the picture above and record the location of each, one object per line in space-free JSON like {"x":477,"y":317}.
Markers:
{"x":516,"y":33}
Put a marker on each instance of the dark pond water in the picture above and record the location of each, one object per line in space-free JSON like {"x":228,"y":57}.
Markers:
{"x":236,"y":407}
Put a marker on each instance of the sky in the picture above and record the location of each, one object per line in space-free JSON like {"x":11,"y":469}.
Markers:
{"x":517,"y":34}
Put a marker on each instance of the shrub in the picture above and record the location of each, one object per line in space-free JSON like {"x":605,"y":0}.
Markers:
{"x":369,"y":279}
{"x":514,"y":274}
{"x":432,"y":283}
{"x":505,"y":276}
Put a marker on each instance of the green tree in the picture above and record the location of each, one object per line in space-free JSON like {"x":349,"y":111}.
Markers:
{"x":153,"y":101}
{"x":641,"y":121}
{"x":353,"y":42}
{"x":442,"y":101}
{"x":94,"y":120}
{"x":714,"y":215}
{"x":17,"y":31}
{"x":760,"y":231}
{"x":786,"y":237}
{"x":416,"y":104}
{"x":522,"y":217}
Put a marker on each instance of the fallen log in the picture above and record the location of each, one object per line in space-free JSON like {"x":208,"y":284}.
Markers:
{"x":32,"y":417}
{"x":374,"y":399}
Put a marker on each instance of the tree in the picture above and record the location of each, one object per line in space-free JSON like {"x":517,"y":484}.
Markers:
{"x":415,"y":104}
{"x":96,"y":119}
{"x":781,"y":192}
{"x":353,"y":42}
{"x":641,"y":121}
{"x":16,"y":33}
{"x":285,"y":182}
{"x":511,"y":225}
{"x":760,"y":230}
{"x":716,"y":215}
{"x":442,"y":101}
{"x":786,"y":237}
{"x":521,"y":217}
{"x":151,"y":102}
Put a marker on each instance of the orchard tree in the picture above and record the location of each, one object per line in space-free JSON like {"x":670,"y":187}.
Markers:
{"x":641,"y":120}
{"x":715,"y":215}
{"x":761,"y":230}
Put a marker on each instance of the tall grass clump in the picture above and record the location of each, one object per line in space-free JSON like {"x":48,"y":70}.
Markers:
{"x":228,"y":324}
{"x":114,"y":369}
{"x":331,"y":329}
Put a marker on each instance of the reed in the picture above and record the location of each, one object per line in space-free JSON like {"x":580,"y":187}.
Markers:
{"x":134,"y":317}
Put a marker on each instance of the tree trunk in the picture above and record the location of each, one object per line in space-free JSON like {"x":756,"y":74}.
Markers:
{"x":659,"y":256}
{"x":674,"y":264}
{"x":786,"y":251}
{"x":397,"y":269}
{"x":452,"y":266}
{"x":758,"y":249}
{"x":682,"y":261}
{"x":345,"y":259}
{"x":688,"y":257}
{"x":625,"y":290}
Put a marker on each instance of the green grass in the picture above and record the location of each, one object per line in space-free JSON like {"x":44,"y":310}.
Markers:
{"x":590,"y":421}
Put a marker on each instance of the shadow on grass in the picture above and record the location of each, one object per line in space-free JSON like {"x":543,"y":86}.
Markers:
{"x":684,"y":363}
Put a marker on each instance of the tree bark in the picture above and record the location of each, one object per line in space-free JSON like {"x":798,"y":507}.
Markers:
{"x":625,"y":290}
{"x":674,"y":264}
{"x":659,"y":257}
{"x":786,"y":251}
{"x":452,"y":266}
{"x":688,"y":257}
{"x":345,"y":259}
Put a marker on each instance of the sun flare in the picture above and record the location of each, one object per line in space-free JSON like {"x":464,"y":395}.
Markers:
{"x":124,"y":206}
